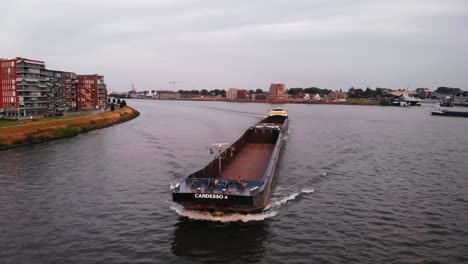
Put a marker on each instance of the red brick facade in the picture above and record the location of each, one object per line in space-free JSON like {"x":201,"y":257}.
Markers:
{"x":9,"y":100}
{"x":91,"y":92}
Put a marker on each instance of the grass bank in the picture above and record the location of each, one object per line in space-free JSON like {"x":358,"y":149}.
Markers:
{"x":13,"y":134}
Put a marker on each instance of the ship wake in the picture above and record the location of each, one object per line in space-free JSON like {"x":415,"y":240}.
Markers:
{"x":221,"y":217}
{"x":284,"y":199}
{"x":272,"y":209}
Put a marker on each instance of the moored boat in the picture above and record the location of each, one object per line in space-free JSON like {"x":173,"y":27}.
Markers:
{"x":449,"y":113}
{"x":239,"y":179}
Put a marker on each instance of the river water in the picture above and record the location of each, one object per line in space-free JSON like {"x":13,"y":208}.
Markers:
{"x":355,"y":184}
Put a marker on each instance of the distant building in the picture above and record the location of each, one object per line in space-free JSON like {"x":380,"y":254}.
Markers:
{"x":232,"y":93}
{"x":62,"y":91}
{"x":423,"y":92}
{"x":166,"y":95}
{"x":260,"y":97}
{"x":355,"y":93}
{"x":277,"y":91}
{"x":27,"y":88}
{"x":242,"y":94}
{"x":23,"y":88}
{"x":337,"y":95}
{"x":447,"y":92}
{"x":316,"y":97}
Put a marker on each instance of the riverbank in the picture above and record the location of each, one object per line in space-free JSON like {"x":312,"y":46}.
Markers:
{"x":57,"y":128}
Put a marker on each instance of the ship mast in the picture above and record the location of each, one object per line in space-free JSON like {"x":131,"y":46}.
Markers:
{"x":220,"y":149}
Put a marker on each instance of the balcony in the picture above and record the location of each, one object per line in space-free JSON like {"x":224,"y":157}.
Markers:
{"x":30,"y":89}
{"x":33,"y":96}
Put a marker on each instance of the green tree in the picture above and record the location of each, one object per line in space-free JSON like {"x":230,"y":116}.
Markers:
{"x":294,"y":91}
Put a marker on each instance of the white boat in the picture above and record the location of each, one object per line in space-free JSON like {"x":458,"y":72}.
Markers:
{"x":406,"y":100}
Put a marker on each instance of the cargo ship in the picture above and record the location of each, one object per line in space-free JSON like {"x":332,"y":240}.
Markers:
{"x":239,"y":179}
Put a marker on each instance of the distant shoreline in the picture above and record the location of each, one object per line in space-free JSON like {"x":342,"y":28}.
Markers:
{"x":58,"y":128}
{"x":348,"y":102}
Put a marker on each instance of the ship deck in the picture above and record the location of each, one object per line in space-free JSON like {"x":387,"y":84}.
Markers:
{"x":250,"y":163}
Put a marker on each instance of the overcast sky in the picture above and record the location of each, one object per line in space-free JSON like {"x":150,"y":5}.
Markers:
{"x":216,"y":44}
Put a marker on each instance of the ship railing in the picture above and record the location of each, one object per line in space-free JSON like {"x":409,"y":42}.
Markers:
{"x":264,"y":126}
{"x":215,"y":184}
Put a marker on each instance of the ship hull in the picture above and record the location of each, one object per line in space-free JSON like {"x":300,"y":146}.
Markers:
{"x":450,"y":113}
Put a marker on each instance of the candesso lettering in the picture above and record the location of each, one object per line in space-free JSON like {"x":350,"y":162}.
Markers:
{"x":210,"y":196}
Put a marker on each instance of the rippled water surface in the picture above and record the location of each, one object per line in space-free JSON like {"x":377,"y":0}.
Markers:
{"x":355,"y":184}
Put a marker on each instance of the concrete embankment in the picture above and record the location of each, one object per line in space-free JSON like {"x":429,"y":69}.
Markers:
{"x":56,"y":128}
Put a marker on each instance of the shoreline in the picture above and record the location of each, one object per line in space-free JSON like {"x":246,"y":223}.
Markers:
{"x":350,"y":102}
{"x":40,"y":131}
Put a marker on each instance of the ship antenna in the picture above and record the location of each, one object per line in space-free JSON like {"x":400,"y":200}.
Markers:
{"x":220,"y":149}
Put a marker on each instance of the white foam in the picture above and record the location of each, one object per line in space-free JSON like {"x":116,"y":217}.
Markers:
{"x":221,"y":217}
{"x":281,"y":201}
{"x":285,"y":199}
{"x":311,"y":190}
{"x":268,"y":212}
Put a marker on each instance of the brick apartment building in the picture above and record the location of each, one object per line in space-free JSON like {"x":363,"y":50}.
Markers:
{"x":232,"y":93}
{"x":277,"y":91}
{"x":243,"y":94}
{"x":91,"y":92}
{"x":27,"y":88}
{"x":23,"y":87}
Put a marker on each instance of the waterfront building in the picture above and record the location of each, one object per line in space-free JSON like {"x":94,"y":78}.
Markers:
{"x":277,"y":91}
{"x":166,"y":95}
{"x":260,"y":97}
{"x":446,"y":92}
{"x":23,"y":87}
{"x":423,"y":92}
{"x":67,"y":91}
{"x":91,"y":92}
{"x":242,"y":94}
{"x":62,"y":95}
{"x":337,"y":95}
{"x":232,"y":93}
{"x":9,"y":100}
{"x":27,"y":88}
